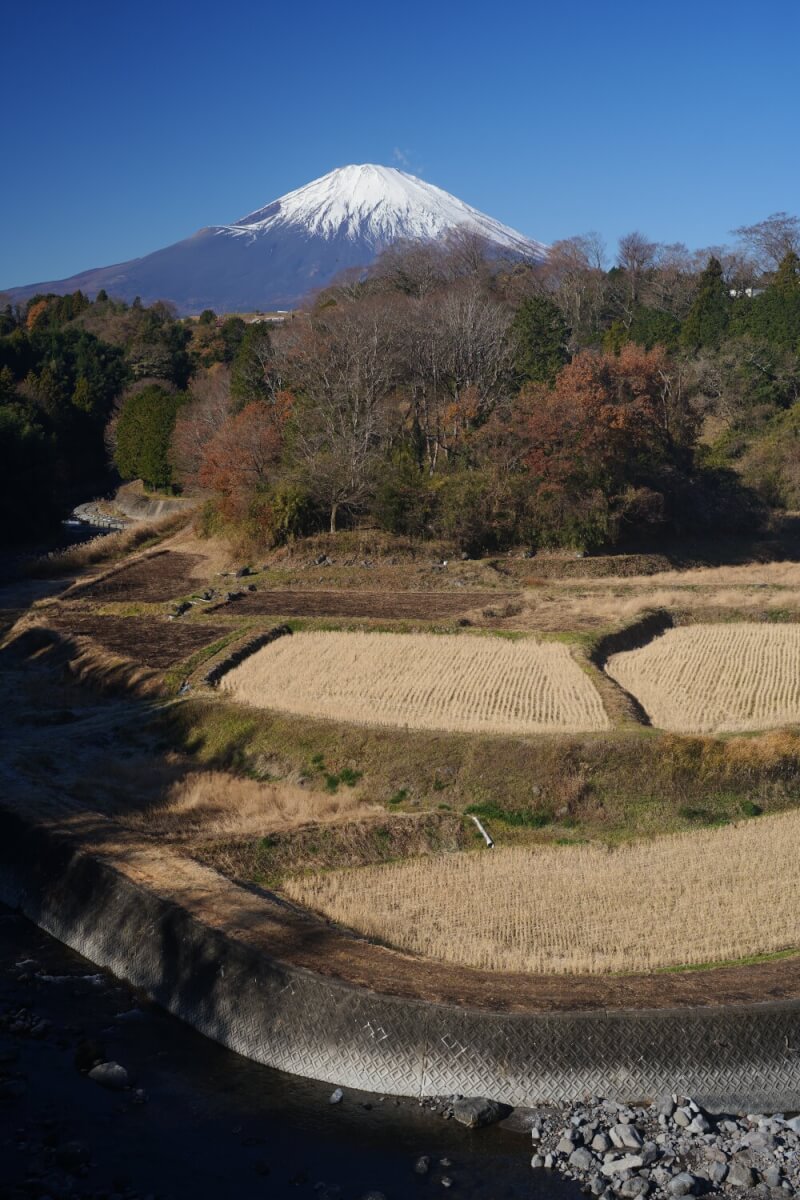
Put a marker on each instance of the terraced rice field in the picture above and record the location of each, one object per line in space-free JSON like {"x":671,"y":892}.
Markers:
{"x":423,"y":681}
{"x":715,"y":678}
{"x":711,"y":896}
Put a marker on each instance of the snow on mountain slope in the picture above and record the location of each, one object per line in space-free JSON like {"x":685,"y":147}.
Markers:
{"x":378,"y":205}
{"x":275,"y":256}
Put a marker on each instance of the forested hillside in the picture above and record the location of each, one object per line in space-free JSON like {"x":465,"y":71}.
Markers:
{"x":443,"y":396}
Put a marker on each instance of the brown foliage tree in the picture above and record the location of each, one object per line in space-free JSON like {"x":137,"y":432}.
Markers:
{"x":240,"y":459}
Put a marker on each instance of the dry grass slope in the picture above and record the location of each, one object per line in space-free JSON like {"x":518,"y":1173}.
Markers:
{"x":423,"y":681}
{"x":716,"y":678}
{"x":211,"y":804}
{"x":715,"y":896}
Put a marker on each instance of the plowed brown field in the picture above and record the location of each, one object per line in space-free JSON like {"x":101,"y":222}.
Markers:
{"x":156,"y":644}
{"x":423,"y":606}
{"x":165,"y":575}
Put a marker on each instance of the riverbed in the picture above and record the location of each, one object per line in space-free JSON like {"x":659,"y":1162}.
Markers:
{"x":197,"y":1120}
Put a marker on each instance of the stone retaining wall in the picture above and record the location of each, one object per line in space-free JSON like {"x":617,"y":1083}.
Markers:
{"x":739,"y":1058}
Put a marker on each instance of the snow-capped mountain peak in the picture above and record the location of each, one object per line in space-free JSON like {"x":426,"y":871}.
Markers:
{"x":276,"y":256}
{"x":376,"y":206}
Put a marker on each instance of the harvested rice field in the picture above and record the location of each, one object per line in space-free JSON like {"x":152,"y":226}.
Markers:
{"x":715,"y":678}
{"x":423,"y":681}
{"x":706,"y":897}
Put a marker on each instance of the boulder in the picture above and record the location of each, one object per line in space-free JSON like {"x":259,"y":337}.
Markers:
{"x":681,"y":1185}
{"x":581,"y":1159}
{"x":475,"y":1112}
{"x":740,"y":1175}
{"x":628,"y":1162}
{"x":626,"y":1137}
{"x":110,"y":1075}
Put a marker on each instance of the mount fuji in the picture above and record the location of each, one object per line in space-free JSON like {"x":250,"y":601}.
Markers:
{"x":276,"y":255}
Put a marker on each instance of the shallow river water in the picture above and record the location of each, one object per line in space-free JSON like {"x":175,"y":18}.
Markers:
{"x":212,"y":1124}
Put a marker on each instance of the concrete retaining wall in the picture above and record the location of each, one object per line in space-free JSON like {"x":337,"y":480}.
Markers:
{"x":745,"y":1058}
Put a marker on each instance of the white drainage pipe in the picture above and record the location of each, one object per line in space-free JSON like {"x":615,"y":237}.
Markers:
{"x":486,"y":838}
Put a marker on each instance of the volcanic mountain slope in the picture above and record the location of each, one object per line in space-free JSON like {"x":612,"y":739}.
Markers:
{"x":274,"y":256}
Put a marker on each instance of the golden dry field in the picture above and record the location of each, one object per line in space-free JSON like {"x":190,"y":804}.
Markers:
{"x":712,"y":896}
{"x":423,"y":681}
{"x":715,"y":678}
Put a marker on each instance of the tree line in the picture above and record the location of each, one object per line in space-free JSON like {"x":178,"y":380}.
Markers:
{"x":443,"y":394}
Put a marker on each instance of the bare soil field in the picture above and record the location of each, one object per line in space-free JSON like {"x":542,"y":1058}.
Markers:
{"x":164,"y":575}
{"x":581,"y":909}
{"x":725,"y":678}
{"x":382,"y":605}
{"x":156,"y":644}
{"x":423,"y":681}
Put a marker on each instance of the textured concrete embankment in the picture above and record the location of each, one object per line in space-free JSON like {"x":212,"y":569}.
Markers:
{"x":224,"y":984}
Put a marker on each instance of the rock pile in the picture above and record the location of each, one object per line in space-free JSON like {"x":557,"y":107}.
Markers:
{"x":671,"y":1148}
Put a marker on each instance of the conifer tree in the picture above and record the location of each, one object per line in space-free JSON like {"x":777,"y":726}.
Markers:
{"x":708,"y":319}
{"x":541,"y":336}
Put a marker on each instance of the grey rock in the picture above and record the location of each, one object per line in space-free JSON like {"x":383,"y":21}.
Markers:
{"x":682,"y":1184}
{"x":793,"y":1124}
{"x":717,"y":1171}
{"x":773,"y":1176}
{"x":336,"y":1096}
{"x":626,"y":1136}
{"x":110,"y":1075}
{"x":537,"y":1162}
{"x":477,"y":1112}
{"x":740,"y":1175}
{"x":699,"y":1125}
{"x":549,"y":1159}
{"x":628,"y":1162}
{"x":423,"y":1164}
{"x":582,"y":1159}
{"x":600,"y":1142}
{"x":565,"y":1146}
{"x":665,"y":1105}
{"x":649,"y":1153}
{"x":682,"y":1117}
{"x":635,"y":1187}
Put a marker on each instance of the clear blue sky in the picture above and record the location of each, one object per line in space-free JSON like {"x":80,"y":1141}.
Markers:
{"x":128,"y":126}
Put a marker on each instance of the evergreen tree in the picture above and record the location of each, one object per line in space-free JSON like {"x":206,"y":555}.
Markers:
{"x":144,"y":431}
{"x":541,"y":337}
{"x":774,"y":317}
{"x":708,"y":318}
{"x":250,"y":374}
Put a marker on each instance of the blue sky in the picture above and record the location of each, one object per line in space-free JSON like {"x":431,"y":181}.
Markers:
{"x":129,"y":126}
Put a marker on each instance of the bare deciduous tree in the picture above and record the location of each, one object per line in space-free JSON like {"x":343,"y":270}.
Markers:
{"x":772,"y":239}
{"x":341,"y":365}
